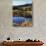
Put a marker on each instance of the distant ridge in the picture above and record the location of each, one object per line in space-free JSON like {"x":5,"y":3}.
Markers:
{"x":25,"y":5}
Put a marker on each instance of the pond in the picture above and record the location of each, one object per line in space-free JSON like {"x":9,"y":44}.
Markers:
{"x":19,"y":20}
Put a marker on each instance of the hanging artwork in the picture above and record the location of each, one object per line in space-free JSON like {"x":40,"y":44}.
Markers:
{"x":22,"y":13}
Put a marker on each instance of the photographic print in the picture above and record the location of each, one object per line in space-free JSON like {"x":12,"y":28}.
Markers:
{"x":22,"y":13}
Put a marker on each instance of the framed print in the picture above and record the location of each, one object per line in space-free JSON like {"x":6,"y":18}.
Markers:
{"x":22,"y":13}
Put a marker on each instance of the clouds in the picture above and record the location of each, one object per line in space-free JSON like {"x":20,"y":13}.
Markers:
{"x":21,"y":2}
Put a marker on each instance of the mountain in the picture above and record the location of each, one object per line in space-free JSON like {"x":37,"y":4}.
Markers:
{"x":25,"y":5}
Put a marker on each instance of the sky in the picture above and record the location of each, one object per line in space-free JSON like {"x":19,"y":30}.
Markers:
{"x":20,"y":2}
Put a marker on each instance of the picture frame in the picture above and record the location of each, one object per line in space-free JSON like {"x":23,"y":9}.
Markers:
{"x":22,"y":13}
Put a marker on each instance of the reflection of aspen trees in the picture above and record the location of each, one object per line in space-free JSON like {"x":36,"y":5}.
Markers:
{"x":26,"y":24}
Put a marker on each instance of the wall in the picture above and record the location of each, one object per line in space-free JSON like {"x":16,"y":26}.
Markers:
{"x":37,"y":31}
